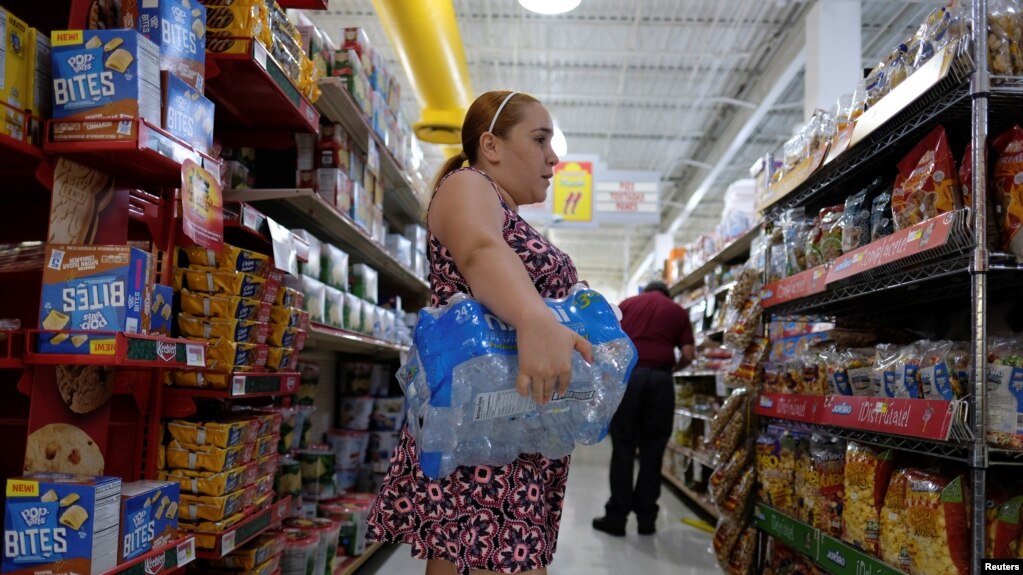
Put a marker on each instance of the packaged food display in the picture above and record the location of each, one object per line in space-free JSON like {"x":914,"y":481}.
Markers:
{"x":867,"y":474}
{"x":1004,"y":376}
{"x":212,"y":482}
{"x":936,"y":517}
{"x":256,"y":552}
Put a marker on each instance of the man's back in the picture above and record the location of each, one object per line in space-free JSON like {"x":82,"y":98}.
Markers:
{"x":656,"y":325}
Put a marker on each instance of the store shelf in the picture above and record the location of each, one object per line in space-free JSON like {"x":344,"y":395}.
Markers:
{"x":120,"y":349}
{"x":255,"y":99}
{"x":350,"y":565}
{"x":797,"y":535}
{"x":884,"y":137}
{"x":694,"y":415}
{"x":245,"y":385}
{"x":246,"y":530}
{"x":18,"y":157}
{"x":701,"y":457}
{"x":302,"y":208}
{"x":739,"y":247}
{"x":327,"y":338}
{"x":138,"y":152}
{"x":337,"y":105}
{"x":699,"y":499}
{"x":167,"y":559}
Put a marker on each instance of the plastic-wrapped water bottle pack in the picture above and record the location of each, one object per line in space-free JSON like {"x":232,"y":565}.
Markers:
{"x":459,"y":380}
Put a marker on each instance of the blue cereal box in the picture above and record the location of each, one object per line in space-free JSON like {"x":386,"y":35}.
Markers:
{"x":161,"y":310}
{"x":186,"y":113}
{"x":178,"y":27}
{"x":149,"y":517}
{"x":59,"y":523}
{"x":105,"y":74}
{"x":92,"y":288}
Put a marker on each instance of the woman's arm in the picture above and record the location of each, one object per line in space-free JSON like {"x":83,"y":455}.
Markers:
{"x":467,"y":218}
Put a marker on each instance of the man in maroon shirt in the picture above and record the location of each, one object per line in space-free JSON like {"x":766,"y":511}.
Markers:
{"x":644,"y":420}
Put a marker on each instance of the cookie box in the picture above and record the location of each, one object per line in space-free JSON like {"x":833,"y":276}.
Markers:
{"x":57,"y":523}
{"x":229,"y":258}
{"x":224,"y":356}
{"x":149,"y":517}
{"x":269,"y":567}
{"x":187,"y":115}
{"x":281,"y":359}
{"x":223,"y":306}
{"x":258,"y":551}
{"x":216,"y":508}
{"x":92,"y":288}
{"x":289,"y":297}
{"x":104,"y":74}
{"x":206,"y":532}
{"x":178,"y":27}
{"x":161,"y":311}
{"x":211,"y":482}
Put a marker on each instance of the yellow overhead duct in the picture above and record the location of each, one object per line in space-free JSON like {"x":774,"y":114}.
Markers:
{"x":426,"y":38}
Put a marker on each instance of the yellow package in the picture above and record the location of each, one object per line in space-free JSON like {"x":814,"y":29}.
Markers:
{"x":289,"y":297}
{"x":205,"y":532}
{"x":15,"y":72}
{"x":775,"y":459}
{"x":206,"y":457}
{"x":281,"y":359}
{"x":283,"y":336}
{"x":938,"y":524}
{"x":227,"y":434}
{"x":867,"y":473}
{"x":214,"y":508}
{"x":285,"y":316}
{"x":258,"y":551}
{"x":210,"y":482}
{"x":237,"y":19}
{"x":220,"y":281}
{"x":267,"y":445}
{"x":212,"y":328}
{"x":225,"y":356}
{"x":230,"y":258}
{"x":893,"y":544}
{"x":208,"y":380}
{"x":223,"y":306}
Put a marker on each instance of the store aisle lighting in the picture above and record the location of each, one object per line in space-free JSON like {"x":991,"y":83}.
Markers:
{"x":558,"y":142}
{"x":550,"y":6}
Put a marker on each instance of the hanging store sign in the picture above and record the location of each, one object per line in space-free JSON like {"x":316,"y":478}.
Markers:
{"x":202,"y":206}
{"x":573,"y":192}
{"x":628,"y":197}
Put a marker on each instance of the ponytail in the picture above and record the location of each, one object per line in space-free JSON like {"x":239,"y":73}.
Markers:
{"x":453,"y":163}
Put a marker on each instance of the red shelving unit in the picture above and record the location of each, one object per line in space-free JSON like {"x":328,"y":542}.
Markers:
{"x":245,"y":385}
{"x":11,"y":346}
{"x":254,"y":96}
{"x":166,"y":559}
{"x":344,"y":341}
{"x":245,"y":531}
{"x":122,"y":349}
{"x":142,"y":154}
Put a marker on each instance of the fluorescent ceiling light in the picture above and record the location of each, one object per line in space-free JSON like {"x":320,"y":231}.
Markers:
{"x":559,"y":143}
{"x":550,"y":6}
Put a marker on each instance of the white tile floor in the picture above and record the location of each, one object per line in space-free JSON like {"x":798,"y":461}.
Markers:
{"x":676,"y":549}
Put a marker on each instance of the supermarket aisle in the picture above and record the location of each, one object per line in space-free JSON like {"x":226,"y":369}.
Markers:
{"x":676,"y":549}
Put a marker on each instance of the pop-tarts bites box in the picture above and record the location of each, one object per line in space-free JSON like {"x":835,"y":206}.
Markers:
{"x":149,"y":517}
{"x":161,"y":310}
{"x":105,"y":74}
{"x":92,"y":288}
{"x":58,"y":523}
{"x":186,"y":113}
{"x":178,"y":27}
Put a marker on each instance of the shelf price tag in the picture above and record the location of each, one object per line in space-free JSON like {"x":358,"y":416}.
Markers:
{"x":195,"y":355}
{"x":186,"y":552}
{"x":259,"y":53}
{"x":238,"y":385}
{"x":202,"y":206}
{"x":227,"y":542}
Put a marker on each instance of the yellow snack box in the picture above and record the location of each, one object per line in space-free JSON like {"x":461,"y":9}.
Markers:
{"x":230,"y":258}
{"x":206,"y":457}
{"x":212,"y":482}
{"x":223,"y":306}
{"x":227,"y":434}
{"x":213,"y":328}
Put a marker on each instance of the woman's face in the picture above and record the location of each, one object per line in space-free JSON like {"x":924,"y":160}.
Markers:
{"x":527,"y":159}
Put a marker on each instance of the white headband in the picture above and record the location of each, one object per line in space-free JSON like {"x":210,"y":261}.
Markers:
{"x":498,"y":112}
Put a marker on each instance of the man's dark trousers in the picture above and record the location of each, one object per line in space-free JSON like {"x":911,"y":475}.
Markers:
{"x":644,"y":420}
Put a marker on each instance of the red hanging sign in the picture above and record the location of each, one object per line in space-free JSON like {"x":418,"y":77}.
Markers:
{"x":913,"y":240}
{"x":202,"y":206}
{"x":803,"y":284}
{"x":805,"y":408}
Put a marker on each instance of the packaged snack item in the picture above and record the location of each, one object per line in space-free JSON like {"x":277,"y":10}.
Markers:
{"x":225,"y":356}
{"x":219,"y":281}
{"x":867,"y":474}
{"x":219,"y":434}
{"x":876,"y":84}
{"x":831,"y":233}
{"x":794,"y":229}
{"x":229,"y":258}
{"x":828,"y":458}
{"x":223,"y":306}
{"x":849,"y":371}
{"x":211,"y":482}
{"x":814,"y":372}
{"x":55,"y":523}
{"x":1004,"y":380}
{"x":856,"y":217}
{"x":1008,"y":190}
{"x":775,"y":457}
{"x":881,"y":223}
{"x":1005,"y":37}
{"x":907,"y":366}
{"x":938,"y":29}
{"x":289,"y":297}
{"x":938,"y":524}
{"x":1003,"y":529}
{"x":732,"y":434}
{"x":214,"y":508}
{"x":205,"y":458}
{"x":285,"y":317}
{"x":927,"y":184}
{"x":256,"y":552}
{"x":893,"y":543}
{"x":806,"y":484}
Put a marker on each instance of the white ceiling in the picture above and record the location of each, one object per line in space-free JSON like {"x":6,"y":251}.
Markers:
{"x":664,"y":85}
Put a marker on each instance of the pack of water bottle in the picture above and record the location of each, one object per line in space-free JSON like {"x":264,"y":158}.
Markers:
{"x":459,"y":379}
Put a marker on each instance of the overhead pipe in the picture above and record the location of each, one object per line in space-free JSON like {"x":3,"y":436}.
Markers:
{"x":427,"y":41}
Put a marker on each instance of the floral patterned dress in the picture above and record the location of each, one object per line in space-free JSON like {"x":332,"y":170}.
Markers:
{"x":502,"y":518}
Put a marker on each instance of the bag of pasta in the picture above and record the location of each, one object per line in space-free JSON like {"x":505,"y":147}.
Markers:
{"x":893,"y":544}
{"x":732,"y":434}
{"x":867,"y":473}
{"x":828,"y":457}
{"x":927,"y":184}
{"x":794,"y":229}
{"x":1008,"y":185}
{"x":935,"y":375}
{"x":815,"y":373}
{"x":882,"y":374}
{"x":938,"y":524}
{"x":831,"y":233}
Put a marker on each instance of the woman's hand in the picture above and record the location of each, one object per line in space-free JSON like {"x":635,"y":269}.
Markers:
{"x":545,"y":357}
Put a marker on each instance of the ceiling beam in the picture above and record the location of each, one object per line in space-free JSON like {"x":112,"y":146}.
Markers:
{"x":787,"y":61}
